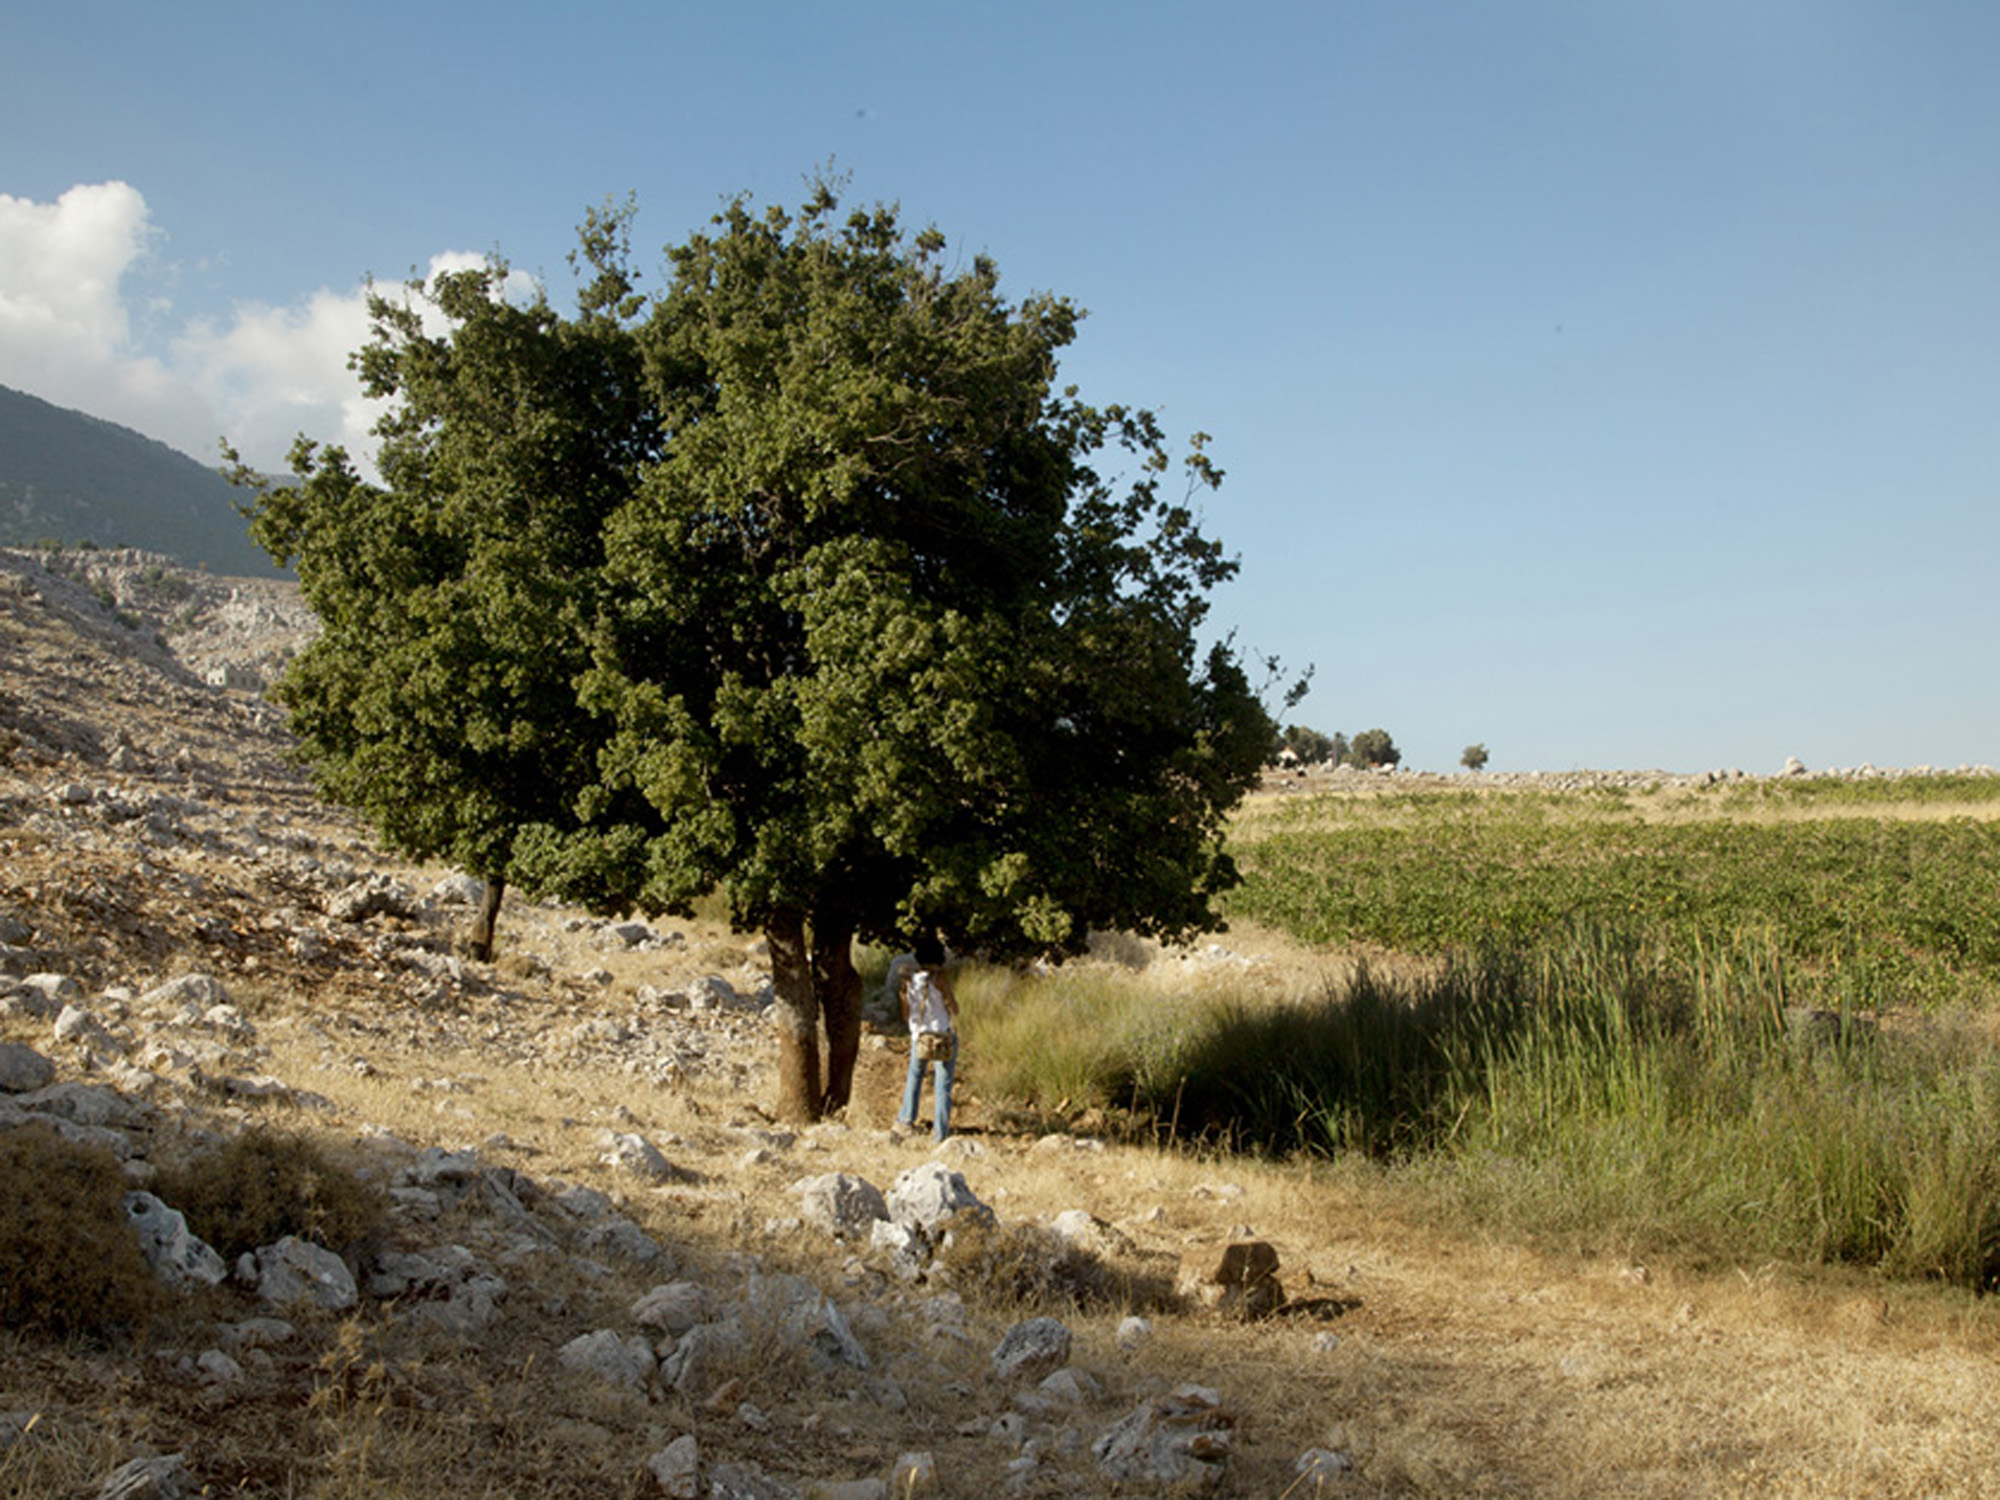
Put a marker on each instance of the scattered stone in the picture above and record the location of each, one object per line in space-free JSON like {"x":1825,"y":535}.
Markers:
{"x":930,"y":1195}
{"x":76,"y":1024}
{"x":746,"y":1482}
{"x":636,"y":1154}
{"x":676,"y":1468}
{"x":615,"y":1360}
{"x":1032,"y":1349}
{"x":1178,"y":1439}
{"x":175,"y":1254}
{"x":1239,"y":1279}
{"x":217,"y":1367}
{"x":146,"y":1479}
{"x":807,"y":1315}
{"x":1089,"y":1233}
{"x":842,"y":1205}
{"x":23,"y":1069}
{"x":55,"y":990}
{"x":914,"y":1474}
{"x":295,"y":1270}
{"x":459,"y":890}
{"x":372,"y":896}
{"x":1134,"y":1332}
{"x":1320,"y":1467}
{"x":672,"y":1308}
{"x":197,"y":993}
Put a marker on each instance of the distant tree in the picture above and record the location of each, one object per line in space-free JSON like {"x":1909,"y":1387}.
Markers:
{"x":1307,"y":745}
{"x":1473,"y":758}
{"x":1372,"y":748}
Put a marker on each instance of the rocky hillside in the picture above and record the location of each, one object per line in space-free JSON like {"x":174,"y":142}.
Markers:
{"x":78,"y":480}
{"x":597,"y":1266}
{"x":296,"y":1201}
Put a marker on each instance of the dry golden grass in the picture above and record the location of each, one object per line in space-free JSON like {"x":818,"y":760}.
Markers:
{"x":1444,"y":1363}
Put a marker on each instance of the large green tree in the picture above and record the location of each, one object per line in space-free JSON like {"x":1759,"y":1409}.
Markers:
{"x":890,"y":653}
{"x":457,"y":595}
{"x":804,"y":583}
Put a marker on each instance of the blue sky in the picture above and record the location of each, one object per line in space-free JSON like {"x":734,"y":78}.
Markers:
{"x":1614,"y":384}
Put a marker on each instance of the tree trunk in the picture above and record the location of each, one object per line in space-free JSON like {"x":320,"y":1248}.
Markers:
{"x":799,"y":1090}
{"x":838,"y":987}
{"x":480,"y":943}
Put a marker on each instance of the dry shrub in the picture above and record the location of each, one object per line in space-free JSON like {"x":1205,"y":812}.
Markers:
{"x":1013,"y":1267}
{"x":266,"y":1184}
{"x":69,"y":1261}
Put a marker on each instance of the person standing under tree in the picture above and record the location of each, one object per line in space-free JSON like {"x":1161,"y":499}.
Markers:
{"x":930,"y":1009}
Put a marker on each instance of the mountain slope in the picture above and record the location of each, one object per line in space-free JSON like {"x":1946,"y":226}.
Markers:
{"x":76,"y":479}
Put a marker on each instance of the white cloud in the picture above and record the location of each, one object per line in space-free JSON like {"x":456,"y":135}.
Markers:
{"x":259,"y":376}
{"x":63,"y":262}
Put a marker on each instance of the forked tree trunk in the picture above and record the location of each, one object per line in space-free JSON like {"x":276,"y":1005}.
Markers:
{"x":799,"y":1089}
{"x":480,"y":944}
{"x":838,"y":987}
{"x":816,"y":984}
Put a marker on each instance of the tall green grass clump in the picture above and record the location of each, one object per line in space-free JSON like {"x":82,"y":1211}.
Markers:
{"x":1617,"y":1092}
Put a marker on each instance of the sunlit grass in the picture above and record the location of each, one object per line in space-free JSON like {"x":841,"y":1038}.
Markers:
{"x":1604,"y":1090}
{"x":1910,"y":900}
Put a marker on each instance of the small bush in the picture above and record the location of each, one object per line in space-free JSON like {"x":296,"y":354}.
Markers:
{"x":1015,"y":1268}
{"x":267,"y":1184}
{"x":1022,"y":1266}
{"x":69,"y":1261}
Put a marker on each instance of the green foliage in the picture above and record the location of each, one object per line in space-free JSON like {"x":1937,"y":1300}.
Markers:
{"x":457,"y":596}
{"x":263,"y":1185}
{"x":1373,"y":747}
{"x":1908,"y":906}
{"x":1473,"y":758}
{"x":800,"y":582}
{"x":69,"y":1261}
{"x":890,"y":653}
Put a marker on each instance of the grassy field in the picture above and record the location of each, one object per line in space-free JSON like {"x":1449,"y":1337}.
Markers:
{"x":1729,"y":1024}
{"x":1884,"y":890}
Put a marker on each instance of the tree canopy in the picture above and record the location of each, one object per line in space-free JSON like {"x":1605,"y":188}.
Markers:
{"x":1374,"y":747}
{"x":456,"y":596}
{"x":803,"y":583}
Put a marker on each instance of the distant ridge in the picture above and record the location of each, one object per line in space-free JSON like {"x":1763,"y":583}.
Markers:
{"x":76,"y":479}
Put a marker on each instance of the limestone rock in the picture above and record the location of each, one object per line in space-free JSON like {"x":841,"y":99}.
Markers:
{"x":931,"y":1195}
{"x":842,"y":1204}
{"x":294,"y":1270}
{"x":146,"y":1479}
{"x":636,"y":1154}
{"x":1032,"y":1349}
{"x":1179,"y":1439}
{"x":615,"y":1360}
{"x":1239,"y":1278}
{"x":676,"y":1468}
{"x":23,"y":1069}
{"x":176,"y":1255}
{"x":672,"y":1308}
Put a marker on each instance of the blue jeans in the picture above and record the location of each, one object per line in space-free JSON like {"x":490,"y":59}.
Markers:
{"x":913,"y":1087}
